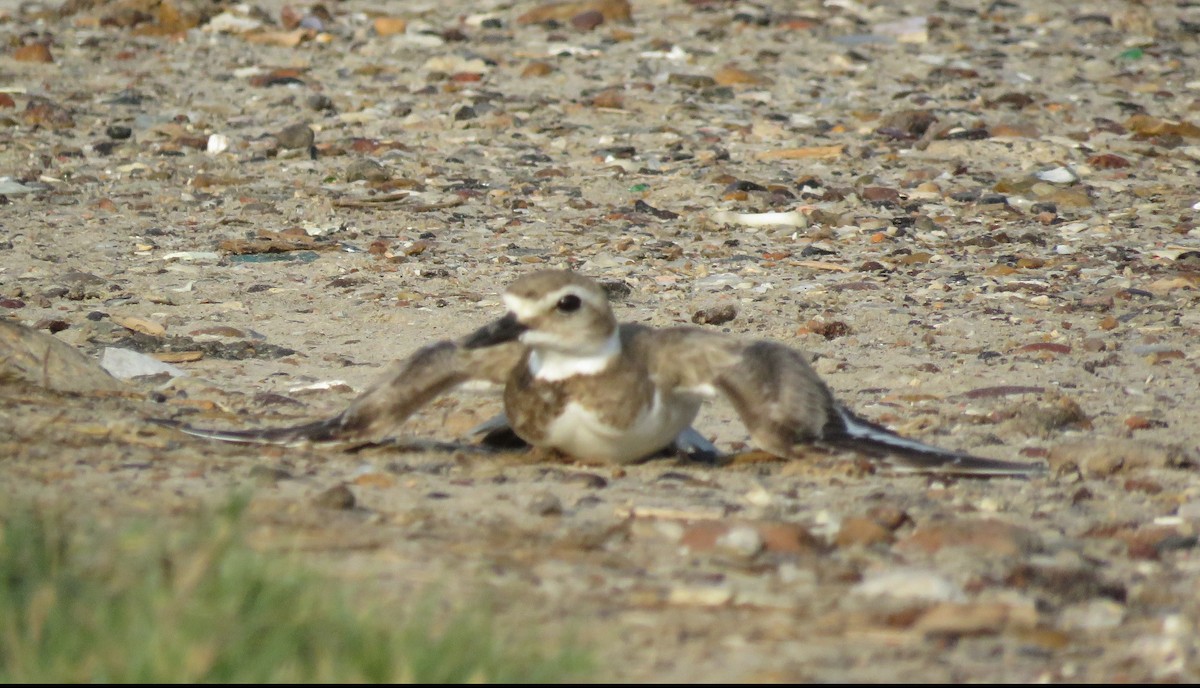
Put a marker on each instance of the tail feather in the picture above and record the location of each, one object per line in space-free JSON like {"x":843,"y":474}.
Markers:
{"x":906,"y":455}
{"x":325,"y":430}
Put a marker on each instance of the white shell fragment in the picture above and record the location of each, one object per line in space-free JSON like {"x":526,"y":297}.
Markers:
{"x":793,"y":218}
{"x":217,"y":143}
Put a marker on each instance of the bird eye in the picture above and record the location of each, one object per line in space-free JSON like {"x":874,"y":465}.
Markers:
{"x":569,"y":303}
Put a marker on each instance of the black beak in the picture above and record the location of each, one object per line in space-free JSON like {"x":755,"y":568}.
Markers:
{"x":503,"y":330}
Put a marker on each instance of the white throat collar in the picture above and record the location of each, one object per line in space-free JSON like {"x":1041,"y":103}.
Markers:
{"x":551,"y":365}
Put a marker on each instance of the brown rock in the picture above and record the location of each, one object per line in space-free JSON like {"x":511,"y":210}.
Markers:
{"x":974,"y":618}
{"x":889,"y":517}
{"x":538,"y":68}
{"x":1108,"y":161}
{"x":34,"y":52}
{"x":588,"y":20}
{"x":368,"y":170}
{"x":732,"y":76}
{"x":880,"y":194}
{"x":715,"y":315}
{"x":610,"y":98}
{"x":338,"y":497}
{"x":610,"y":10}
{"x":389,"y":26}
{"x":989,"y":536}
{"x":862,"y":531}
{"x":1097,"y":458}
{"x":40,"y":112}
{"x":787,"y":538}
{"x":295,"y":136}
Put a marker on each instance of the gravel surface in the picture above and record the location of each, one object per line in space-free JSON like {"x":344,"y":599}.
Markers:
{"x":979,"y":218}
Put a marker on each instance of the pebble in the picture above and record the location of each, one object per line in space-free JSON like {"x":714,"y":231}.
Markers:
{"x":217,"y":143}
{"x":975,"y":618}
{"x":544,"y":504}
{"x":862,"y":531}
{"x":365,"y":169}
{"x":1092,"y":615}
{"x":743,"y":541}
{"x":268,"y":475}
{"x":295,"y":136}
{"x":319,"y":102}
{"x":909,"y":584}
{"x":715,"y":315}
{"x":1097,"y":458}
{"x":34,"y":52}
{"x":988,"y":536}
{"x":338,"y":497}
{"x":587,"y":20}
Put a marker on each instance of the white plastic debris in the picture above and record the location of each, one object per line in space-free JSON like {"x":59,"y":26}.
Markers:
{"x":124,"y":364}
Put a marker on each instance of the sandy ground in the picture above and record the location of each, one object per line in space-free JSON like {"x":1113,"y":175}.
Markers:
{"x":988,"y":241}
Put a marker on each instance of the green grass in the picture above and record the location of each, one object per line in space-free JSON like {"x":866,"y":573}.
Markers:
{"x":135,"y":606}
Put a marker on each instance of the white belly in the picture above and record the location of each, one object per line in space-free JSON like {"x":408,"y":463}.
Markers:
{"x":580,"y":433}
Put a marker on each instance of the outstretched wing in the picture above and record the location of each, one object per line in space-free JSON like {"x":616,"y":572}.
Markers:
{"x":783,"y":402}
{"x":404,"y":387}
{"x":906,"y":455}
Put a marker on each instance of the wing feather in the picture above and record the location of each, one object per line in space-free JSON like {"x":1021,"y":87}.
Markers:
{"x":404,"y":387}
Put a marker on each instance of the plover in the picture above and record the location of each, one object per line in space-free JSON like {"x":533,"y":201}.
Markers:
{"x":577,"y":381}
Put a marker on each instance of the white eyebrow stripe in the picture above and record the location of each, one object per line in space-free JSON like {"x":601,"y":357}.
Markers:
{"x":526,"y":309}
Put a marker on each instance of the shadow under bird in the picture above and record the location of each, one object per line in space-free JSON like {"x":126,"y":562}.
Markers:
{"x":577,"y":381}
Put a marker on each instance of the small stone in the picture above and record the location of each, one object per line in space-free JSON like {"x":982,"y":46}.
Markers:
{"x":715,"y":315}
{"x":862,"y":531}
{"x":609,"y":98}
{"x":34,"y":52}
{"x":1092,"y":615}
{"x":588,"y":20}
{"x":42,"y":112}
{"x":536,"y":69}
{"x":217,"y":144}
{"x":390,"y":26}
{"x":909,"y":584}
{"x":368,"y":170}
{"x":296,"y":136}
{"x":974,"y":618}
{"x":610,"y":10}
{"x":544,"y":504}
{"x":1108,"y":161}
{"x":987,"y":536}
{"x":318,"y":102}
{"x":742,"y":541}
{"x":732,"y":76}
{"x":889,"y":517}
{"x":118,"y":132}
{"x":880,"y":194}
{"x":1102,"y":457}
{"x":268,"y":475}
{"x":338,"y":497}
{"x":696,"y":81}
